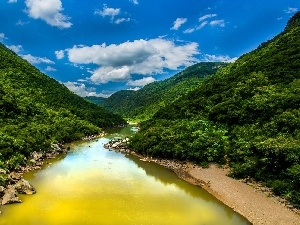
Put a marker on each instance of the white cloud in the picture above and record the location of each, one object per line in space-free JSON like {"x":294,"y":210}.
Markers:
{"x":178,"y":22}
{"x":135,"y":2}
{"x":105,"y":74}
{"x":16,"y":48}
{"x":207,"y":17}
{"x":189,"y":30}
{"x":203,"y":24}
{"x":291,"y":10}
{"x":21,"y":23}
{"x":83,"y":91}
{"x":2,"y":36}
{"x":110,"y":12}
{"x":141,"y":82}
{"x":12,"y":1}
{"x":134,"y":89}
{"x":49,"y":11}
{"x":121,"y":20}
{"x":143,"y":57}
{"x":219,"y":23}
{"x":37,"y":60}
{"x":50,"y":69}
{"x":219,"y":58}
{"x":60,"y":54}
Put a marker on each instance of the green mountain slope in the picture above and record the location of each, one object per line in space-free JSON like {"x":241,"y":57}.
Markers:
{"x":36,"y":110}
{"x":142,"y":104}
{"x":94,"y":99}
{"x":247,"y":115}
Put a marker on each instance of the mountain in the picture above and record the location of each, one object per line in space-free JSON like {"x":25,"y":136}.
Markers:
{"x":94,"y":99}
{"x":142,"y":104}
{"x":246,"y":115}
{"x":36,"y":110}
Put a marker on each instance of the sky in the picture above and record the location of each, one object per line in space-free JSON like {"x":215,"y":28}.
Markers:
{"x":98,"y":47}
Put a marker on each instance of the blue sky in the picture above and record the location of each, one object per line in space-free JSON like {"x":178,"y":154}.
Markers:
{"x":97,"y":47}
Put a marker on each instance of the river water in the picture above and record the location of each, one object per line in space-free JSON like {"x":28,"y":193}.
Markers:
{"x":92,"y":185}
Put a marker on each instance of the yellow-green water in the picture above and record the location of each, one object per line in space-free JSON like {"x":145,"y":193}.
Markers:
{"x":92,"y":185}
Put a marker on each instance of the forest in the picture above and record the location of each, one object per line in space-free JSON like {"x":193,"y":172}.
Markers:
{"x":247,"y":114}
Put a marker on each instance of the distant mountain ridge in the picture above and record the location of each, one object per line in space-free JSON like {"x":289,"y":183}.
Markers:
{"x":142,"y":104}
{"x":247,"y":115}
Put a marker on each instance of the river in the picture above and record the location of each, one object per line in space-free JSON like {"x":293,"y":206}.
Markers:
{"x":92,"y":185}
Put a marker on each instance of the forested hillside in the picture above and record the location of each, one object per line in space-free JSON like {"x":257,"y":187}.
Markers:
{"x":247,"y":114}
{"x":94,"y":99}
{"x":36,"y":110}
{"x":142,"y":104}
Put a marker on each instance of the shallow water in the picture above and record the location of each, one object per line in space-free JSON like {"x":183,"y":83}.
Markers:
{"x":92,"y":185}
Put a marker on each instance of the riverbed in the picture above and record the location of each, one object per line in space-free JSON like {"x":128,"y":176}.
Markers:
{"x":92,"y":185}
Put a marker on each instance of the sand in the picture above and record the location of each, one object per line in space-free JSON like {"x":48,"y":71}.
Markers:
{"x":255,"y":205}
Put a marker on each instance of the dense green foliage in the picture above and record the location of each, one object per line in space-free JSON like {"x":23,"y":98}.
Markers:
{"x":247,"y":113}
{"x":142,"y":104}
{"x":36,"y":110}
{"x":94,"y":99}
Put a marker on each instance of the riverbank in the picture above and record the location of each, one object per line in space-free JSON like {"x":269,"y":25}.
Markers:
{"x":249,"y":199}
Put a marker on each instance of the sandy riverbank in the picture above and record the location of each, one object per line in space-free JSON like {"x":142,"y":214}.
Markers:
{"x":253,"y":204}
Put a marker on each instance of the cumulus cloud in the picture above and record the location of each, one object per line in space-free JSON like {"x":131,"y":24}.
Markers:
{"x":207,"y":17}
{"x":82,"y":90}
{"x":141,"y":82}
{"x":204,"y":21}
{"x":106,"y":74}
{"x":143,"y":57}
{"x":12,"y":1}
{"x":110,"y":12}
{"x":135,"y":2}
{"x":291,"y":10}
{"x":60,"y":54}
{"x":121,"y":20}
{"x":2,"y":36}
{"x":49,"y":11}
{"x":21,"y":23}
{"x":16,"y":48}
{"x":203,"y":24}
{"x":134,"y":89}
{"x":189,"y":30}
{"x":37,"y":60}
{"x":219,"y":58}
{"x":219,"y":23}
{"x":50,"y":69}
{"x":178,"y":22}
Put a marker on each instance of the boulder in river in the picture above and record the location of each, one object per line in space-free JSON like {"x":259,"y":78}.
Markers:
{"x":10,"y":196}
{"x":24,"y":187}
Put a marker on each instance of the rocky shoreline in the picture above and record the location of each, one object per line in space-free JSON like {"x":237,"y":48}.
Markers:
{"x":15,"y":184}
{"x":186,"y":171}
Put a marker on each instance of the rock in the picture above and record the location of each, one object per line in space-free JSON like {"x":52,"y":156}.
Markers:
{"x":24,"y":187}
{"x":2,"y":189}
{"x":14,"y":177}
{"x":263,"y":189}
{"x":10,"y":196}
{"x":37,"y":155}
